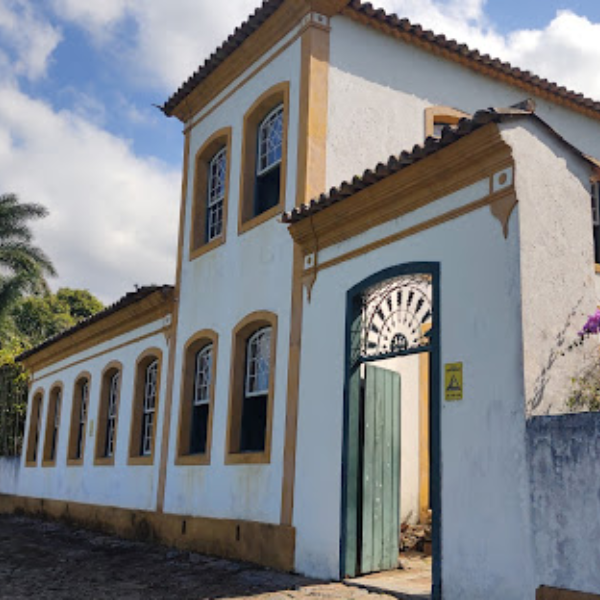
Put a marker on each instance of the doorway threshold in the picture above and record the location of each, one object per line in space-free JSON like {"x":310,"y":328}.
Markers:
{"x":413,"y":582}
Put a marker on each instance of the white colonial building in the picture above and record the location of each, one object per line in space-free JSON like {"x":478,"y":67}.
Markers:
{"x":336,"y":359}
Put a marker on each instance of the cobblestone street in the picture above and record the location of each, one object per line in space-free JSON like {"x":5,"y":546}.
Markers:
{"x":46,"y":560}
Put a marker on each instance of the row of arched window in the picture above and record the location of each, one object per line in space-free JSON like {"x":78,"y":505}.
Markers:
{"x":262,"y":174}
{"x":145,"y":402}
{"x":250,"y":403}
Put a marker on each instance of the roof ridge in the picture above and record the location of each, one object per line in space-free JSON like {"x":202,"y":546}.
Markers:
{"x":129,"y":298}
{"x":484,"y":61}
{"x":451,"y":45}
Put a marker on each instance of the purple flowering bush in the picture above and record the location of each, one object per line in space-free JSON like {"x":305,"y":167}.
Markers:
{"x":586,"y":387}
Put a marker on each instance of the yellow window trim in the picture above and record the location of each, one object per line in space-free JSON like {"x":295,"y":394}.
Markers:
{"x":242,"y":332}
{"x":74,"y":423}
{"x":445,"y":114}
{"x":99,"y":459}
{"x":195,"y":344}
{"x":198,"y":246}
{"x":135,"y":458}
{"x":278,"y":94}
{"x":55,"y":388}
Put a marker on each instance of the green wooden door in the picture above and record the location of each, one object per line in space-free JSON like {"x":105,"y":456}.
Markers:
{"x":380,"y":522}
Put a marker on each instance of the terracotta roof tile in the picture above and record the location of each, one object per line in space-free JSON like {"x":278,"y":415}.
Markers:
{"x":416,"y":31}
{"x":394,"y":164}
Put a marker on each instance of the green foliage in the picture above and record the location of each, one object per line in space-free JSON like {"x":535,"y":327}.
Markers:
{"x":23,"y":266}
{"x":585,"y":395}
{"x":34,"y":319}
{"x":82,"y":304}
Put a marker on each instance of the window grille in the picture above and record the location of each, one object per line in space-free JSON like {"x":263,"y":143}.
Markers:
{"x":85,"y":395}
{"x":202,"y":376}
{"x":596,"y":204}
{"x":38,"y":425}
{"x":270,"y":141}
{"x":149,"y":407}
{"x":258,"y":363}
{"x":111,"y":422}
{"x":56,"y":424}
{"x":217,"y":171}
{"x":201,"y":400}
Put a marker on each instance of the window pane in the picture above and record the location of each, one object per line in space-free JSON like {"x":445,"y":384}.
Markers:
{"x":202,"y":376}
{"x":258,"y":361}
{"x":270,"y":139}
{"x":217,"y":172}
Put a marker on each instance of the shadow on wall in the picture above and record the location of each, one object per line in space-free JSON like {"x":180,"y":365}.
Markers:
{"x":558,"y":349}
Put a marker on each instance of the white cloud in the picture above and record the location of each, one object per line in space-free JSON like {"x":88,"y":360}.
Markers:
{"x":113,"y":215}
{"x":171,"y":38}
{"x":27,"y":40}
{"x":565,"y":51}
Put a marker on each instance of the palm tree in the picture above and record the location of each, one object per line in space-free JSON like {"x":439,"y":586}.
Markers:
{"x":23,"y":266}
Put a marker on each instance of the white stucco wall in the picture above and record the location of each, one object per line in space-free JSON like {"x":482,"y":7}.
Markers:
{"x":10,"y":470}
{"x":250,"y":272}
{"x":119,"y":485}
{"x":486,"y":524}
{"x":557,"y":263}
{"x":380,"y":86}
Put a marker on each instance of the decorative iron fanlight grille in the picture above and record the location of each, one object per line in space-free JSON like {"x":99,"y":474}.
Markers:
{"x":396,"y":318}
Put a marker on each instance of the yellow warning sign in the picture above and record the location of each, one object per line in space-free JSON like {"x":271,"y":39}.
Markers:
{"x":453,"y":382}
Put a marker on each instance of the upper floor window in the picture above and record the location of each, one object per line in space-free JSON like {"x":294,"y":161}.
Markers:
{"x":197,"y":399}
{"x":252,"y":389}
{"x":216,"y":194}
{"x":35,"y":420}
{"x":439,"y":117}
{"x":145,"y":407}
{"x":264,"y":153}
{"x":211,"y":190}
{"x":108,"y":414}
{"x":52,"y":426}
{"x":79,"y":413}
{"x":268,"y":167}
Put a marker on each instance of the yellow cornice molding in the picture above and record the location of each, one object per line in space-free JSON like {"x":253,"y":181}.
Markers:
{"x":152,"y":308}
{"x":469,"y":160}
{"x":273,"y":30}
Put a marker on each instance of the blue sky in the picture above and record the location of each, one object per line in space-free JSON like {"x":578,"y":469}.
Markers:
{"x":79,"y":132}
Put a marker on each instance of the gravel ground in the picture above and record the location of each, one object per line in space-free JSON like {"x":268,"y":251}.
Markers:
{"x":47,"y":560}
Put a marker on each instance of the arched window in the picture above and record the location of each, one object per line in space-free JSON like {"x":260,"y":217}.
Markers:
{"x":268,"y":164}
{"x":264,"y":158}
{"x":79,"y":413}
{"x":211,"y":190}
{"x":145,"y":406}
{"x":217,"y":172}
{"x":52,"y":426}
{"x":108,"y":415}
{"x":35,"y":423}
{"x":256,"y":391}
{"x":252,"y":389}
{"x":197,"y":399}
{"x":111,"y":420}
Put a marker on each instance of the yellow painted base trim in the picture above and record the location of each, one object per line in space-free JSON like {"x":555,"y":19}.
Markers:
{"x":260,"y":543}
{"x":548,"y":593}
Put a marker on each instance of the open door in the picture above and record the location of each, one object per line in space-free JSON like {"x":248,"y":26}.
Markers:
{"x":379,"y":527}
